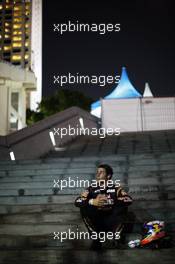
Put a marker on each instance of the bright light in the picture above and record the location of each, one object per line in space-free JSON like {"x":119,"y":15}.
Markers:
{"x":52,"y":138}
{"x":12,"y":156}
{"x":17,"y":32}
{"x":81,"y":122}
{"x":16,"y":57}
{"x":17,"y":38}
{"x":26,"y":44}
{"x":17,"y":45}
{"x":7,"y":48}
{"x":17,"y":26}
{"x":26,"y":56}
{"x":60,"y":149}
{"x":7,"y":36}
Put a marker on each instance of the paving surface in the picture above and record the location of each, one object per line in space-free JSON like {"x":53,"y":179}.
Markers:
{"x":32,"y":207}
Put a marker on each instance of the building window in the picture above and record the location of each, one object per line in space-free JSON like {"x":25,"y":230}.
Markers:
{"x":17,"y":45}
{"x":7,"y":36}
{"x":17,"y":26}
{"x":17,"y":20}
{"x":26,"y":43}
{"x":17,"y":8}
{"x":17,"y":38}
{"x":16,"y":57}
{"x":6,"y":48}
{"x":26,"y":56}
{"x":17,"y":32}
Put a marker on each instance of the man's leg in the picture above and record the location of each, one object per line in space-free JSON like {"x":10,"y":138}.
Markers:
{"x":92,"y":220}
{"x":114,"y":221}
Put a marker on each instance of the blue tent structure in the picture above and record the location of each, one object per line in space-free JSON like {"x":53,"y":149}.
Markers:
{"x":124,"y":90}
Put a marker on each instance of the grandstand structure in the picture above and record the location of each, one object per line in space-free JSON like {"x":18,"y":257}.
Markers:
{"x":32,"y":208}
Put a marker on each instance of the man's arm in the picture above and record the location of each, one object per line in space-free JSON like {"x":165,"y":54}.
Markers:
{"x":123,"y":197}
{"x":83,"y":199}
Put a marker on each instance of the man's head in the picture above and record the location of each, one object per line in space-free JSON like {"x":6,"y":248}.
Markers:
{"x":104,"y":172}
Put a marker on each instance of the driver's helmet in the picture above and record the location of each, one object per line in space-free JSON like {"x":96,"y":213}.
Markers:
{"x":153,"y":230}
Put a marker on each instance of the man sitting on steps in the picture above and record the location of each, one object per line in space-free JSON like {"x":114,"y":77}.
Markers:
{"x":104,"y":206}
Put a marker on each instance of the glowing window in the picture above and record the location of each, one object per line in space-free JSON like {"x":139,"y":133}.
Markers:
{"x":17,"y":32}
{"x":16,"y":26}
{"x":26,"y":44}
{"x":7,"y":48}
{"x":17,"y":45}
{"x":8,"y":6}
{"x":7,"y":30}
{"x":17,"y":20}
{"x":26,"y":56}
{"x":16,"y":57}
{"x":17,"y":38}
{"x":17,"y":8}
{"x":7,"y":36}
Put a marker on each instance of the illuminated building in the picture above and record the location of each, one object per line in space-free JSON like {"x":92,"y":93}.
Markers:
{"x":20,"y":46}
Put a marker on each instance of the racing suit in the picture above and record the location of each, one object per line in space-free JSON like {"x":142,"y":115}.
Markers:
{"x":111,"y":216}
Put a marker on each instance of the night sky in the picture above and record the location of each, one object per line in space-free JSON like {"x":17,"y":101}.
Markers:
{"x":145,"y":45}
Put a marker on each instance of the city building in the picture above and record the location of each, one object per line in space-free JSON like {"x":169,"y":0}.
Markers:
{"x":21,"y":53}
{"x":15,"y":32}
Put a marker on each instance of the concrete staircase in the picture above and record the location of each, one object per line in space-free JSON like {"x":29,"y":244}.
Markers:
{"x":32,"y":209}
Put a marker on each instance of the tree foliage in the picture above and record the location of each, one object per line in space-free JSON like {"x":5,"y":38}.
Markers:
{"x":60,"y":101}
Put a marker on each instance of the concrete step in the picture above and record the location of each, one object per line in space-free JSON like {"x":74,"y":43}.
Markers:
{"x":51,"y":241}
{"x":43,"y":199}
{"x":64,"y":237}
{"x":41,"y":166}
{"x":42,"y":218}
{"x":52,"y":256}
{"x":137,"y":192}
{"x":63,"y":162}
{"x":82,"y":182}
{"x":48,"y":178}
{"x":90,"y":170}
{"x":39,"y":208}
{"x":162,"y":157}
{"x":86,"y":256}
{"x":74,"y":216}
{"x":59,"y":207}
{"x":159,"y":176}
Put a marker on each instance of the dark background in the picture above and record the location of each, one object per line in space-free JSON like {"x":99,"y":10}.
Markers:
{"x":145,"y":45}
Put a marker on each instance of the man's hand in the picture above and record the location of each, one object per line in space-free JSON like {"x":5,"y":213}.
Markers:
{"x":84,"y":194}
{"x":125,"y":199}
{"x":100,"y":200}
